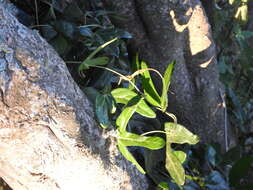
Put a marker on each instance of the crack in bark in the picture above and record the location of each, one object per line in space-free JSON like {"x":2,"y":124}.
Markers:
{"x":3,"y":98}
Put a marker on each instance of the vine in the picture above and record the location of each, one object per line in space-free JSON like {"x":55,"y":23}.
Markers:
{"x":143,"y":103}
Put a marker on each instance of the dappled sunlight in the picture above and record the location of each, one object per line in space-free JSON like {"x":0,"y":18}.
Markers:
{"x":178,"y":27}
{"x":199,"y":39}
{"x":206,"y":64}
{"x":198,"y":32}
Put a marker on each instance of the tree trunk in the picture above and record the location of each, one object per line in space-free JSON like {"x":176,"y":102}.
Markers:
{"x":171,"y":30}
{"x":48,"y":137}
{"x":250,"y":22}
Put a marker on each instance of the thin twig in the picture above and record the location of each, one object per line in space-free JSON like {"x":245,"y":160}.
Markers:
{"x":121,"y":76}
{"x":111,"y":70}
{"x":171,"y":115}
{"x":36,"y":12}
{"x":225,"y":119}
{"x":41,"y":25}
{"x":75,"y":62}
{"x":150,"y":132}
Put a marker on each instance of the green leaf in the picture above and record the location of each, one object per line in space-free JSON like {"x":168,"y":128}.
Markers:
{"x":100,"y":48}
{"x":73,"y":12}
{"x":111,"y":103}
{"x":89,"y":61}
{"x":166,"y":85}
{"x":60,"y":44}
{"x":152,"y":95}
{"x":216,"y":181}
{"x":124,"y":151}
{"x":124,"y":95}
{"x":124,"y":35}
{"x":127,"y":113}
{"x":85,"y":31}
{"x":240,"y":170}
{"x":131,"y":139}
{"x":163,"y":185}
{"x":83,"y":67}
{"x":211,"y":155}
{"x":92,"y":25}
{"x":65,"y":28}
{"x":231,"y":156}
{"x":48,"y":32}
{"x":93,"y":62}
{"x":51,"y":13}
{"x":181,"y":156}
{"x":174,"y":166}
{"x":91,"y":93}
{"x":97,"y":61}
{"x":179,"y":134}
{"x":101,"y":109}
{"x":136,"y":65}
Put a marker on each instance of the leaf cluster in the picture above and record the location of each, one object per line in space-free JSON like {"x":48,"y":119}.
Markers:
{"x":143,"y":102}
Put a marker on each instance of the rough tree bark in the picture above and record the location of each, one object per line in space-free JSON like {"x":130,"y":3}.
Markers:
{"x":250,"y":22}
{"x":168,"y":30}
{"x":48,"y":137}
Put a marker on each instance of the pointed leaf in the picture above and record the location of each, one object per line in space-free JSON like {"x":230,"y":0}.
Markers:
{"x":136,"y":66}
{"x":93,"y":62}
{"x":85,"y":31}
{"x":124,"y":151}
{"x":124,"y":95}
{"x":181,"y":156}
{"x":231,"y":156}
{"x":100,"y":48}
{"x":83,"y":67}
{"x":65,"y":28}
{"x":125,"y":35}
{"x":48,"y":32}
{"x":149,"y":89}
{"x":174,"y":166}
{"x":216,"y":181}
{"x":111,"y":103}
{"x":101,"y":109}
{"x":91,"y":93}
{"x":179,"y":134}
{"x":73,"y":11}
{"x":131,"y":139}
{"x":163,"y":185}
{"x":96,"y":61}
{"x":166,"y":84}
{"x":60,"y":44}
{"x":211,"y":155}
{"x":127,"y":113}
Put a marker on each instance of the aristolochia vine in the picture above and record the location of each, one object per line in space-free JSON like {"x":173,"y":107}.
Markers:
{"x":143,"y":103}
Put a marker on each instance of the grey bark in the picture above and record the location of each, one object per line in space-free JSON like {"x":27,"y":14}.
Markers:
{"x":250,"y":22}
{"x":171,"y":30}
{"x":48,"y":137}
{"x":250,"y":41}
